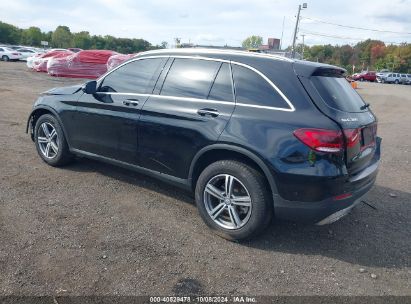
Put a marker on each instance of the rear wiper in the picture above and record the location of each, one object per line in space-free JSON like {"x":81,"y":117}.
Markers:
{"x":365,"y":106}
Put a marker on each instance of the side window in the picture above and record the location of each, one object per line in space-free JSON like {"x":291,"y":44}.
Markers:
{"x":390,"y":75}
{"x":190,"y":78}
{"x":135,"y":77}
{"x":1,"y":50}
{"x":222,"y":89}
{"x":251,"y":88}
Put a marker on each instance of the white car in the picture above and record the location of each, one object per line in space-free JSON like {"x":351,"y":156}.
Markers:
{"x":30,"y":60}
{"x":26,"y":53}
{"x":7,"y":54}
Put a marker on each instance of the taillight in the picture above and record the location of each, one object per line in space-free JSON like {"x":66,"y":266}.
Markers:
{"x":16,"y":54}
{"x":352,"y":137}
{"x":329,"y":141}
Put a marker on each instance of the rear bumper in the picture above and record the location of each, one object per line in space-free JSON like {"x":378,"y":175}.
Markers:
{"x":317,"y":212}
{"x":330,"y":209}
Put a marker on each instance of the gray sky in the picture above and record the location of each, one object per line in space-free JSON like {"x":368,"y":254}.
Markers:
{"x":216,"y":22}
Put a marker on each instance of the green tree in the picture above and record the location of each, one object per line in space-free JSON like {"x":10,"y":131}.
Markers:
{"x":9,"y":33}
{"x":82,"y":40}
{"x":62,"y":37}
{"x":31,"y":36}
{"x":252,"y":42}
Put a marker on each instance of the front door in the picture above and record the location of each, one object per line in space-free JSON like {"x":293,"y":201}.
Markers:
{"x":107,"y":122}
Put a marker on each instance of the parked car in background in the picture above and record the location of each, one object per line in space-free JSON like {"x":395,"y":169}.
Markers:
{"x":408,"y":79}
{"x":390,"y":78}
{"x":293,"y":140}
{"x":382,"y":73}
{"x":75,"y":50}
{"x":26,"y":53}
{"x":118,"y":59}
{"x":365,"y":76}
{"x":84,"y":64}
{"x":42,"y":54}
{"x":403,"y":78}
{"x":7,"y":54}
{"x":40,"y":62}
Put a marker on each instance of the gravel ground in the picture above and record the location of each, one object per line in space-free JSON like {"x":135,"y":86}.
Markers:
{"x":94,"y":229}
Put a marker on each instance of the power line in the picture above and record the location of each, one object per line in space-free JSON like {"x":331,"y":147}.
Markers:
{"x":309,"y":33}
{"x":356,"y":27}
{"x":330,"y":36}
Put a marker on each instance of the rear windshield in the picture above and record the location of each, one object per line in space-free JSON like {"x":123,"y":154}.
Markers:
{"x":338,"y":93}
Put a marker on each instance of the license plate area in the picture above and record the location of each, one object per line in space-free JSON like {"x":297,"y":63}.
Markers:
{"x":368,"y":136}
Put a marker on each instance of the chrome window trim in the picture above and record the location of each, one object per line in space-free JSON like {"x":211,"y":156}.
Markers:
{"x":204,"y":51}
{"x":290,"y":109}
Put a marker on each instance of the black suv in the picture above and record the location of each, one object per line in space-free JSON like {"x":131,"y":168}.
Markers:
{"x":252,"y":135}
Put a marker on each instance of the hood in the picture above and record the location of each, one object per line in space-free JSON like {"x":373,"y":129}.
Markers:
{"x":64,"y":90}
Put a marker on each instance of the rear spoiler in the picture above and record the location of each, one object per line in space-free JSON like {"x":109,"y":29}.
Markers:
{"x":307,"y":69}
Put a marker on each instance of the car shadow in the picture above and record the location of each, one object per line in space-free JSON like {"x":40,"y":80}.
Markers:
{"x":130,"y":177}
{"x":379,"y":237}
{"x":370,"y":237}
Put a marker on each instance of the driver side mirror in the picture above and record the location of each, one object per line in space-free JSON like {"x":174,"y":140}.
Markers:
{"x":90,"y":87}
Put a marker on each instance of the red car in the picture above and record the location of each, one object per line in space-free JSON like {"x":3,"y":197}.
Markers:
{"x":118,"y":59}
{"x":40,"y":62}
{"x":365,"y":76}
{"x":84,"y":64}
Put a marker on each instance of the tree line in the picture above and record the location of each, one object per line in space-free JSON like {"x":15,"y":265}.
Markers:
{"x":62,"y":37}
{"x":368,"y":54}
{"x":365,"y":55}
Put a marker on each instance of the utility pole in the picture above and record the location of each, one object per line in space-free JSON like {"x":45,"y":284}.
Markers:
{"x":282,"y":34}
{"x":296,"y":27}
{"x":302,"y":50}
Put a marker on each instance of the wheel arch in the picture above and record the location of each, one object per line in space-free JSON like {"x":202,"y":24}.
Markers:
{"x":36,"y":114}
{"x":217,"y":152}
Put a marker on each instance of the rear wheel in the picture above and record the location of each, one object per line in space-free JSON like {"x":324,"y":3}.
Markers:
{"x":361,"y":79}
{"x":50,"y":141}
{"x":233,"y":200}
{"x":5,"y":58}
{"x":396,"y":81}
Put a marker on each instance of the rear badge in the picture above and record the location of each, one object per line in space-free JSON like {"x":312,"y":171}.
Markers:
{"x":350,"y":119}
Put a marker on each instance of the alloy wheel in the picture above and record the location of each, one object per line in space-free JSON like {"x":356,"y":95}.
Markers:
{"x":227,"y":201}
{"x":47,"y":140}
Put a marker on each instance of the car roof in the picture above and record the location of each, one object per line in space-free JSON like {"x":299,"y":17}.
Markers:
{"x":251,"y":58}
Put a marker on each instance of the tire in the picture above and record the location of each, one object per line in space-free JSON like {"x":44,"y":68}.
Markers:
{"x":49,"y":143}
{"x":255,"y":210}
{"x":5,"y":58}
{"x":361,"y":79}
{"x":396,"y":81}
{"x":382,"y":81}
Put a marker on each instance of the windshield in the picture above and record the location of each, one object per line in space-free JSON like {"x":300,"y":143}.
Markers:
{"x":338,"y":93}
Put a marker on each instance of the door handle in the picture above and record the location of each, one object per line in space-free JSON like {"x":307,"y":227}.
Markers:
{"x":208,"y":112}
{"x":130,"y":102}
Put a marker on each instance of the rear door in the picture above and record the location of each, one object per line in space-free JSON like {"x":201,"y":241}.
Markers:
{"x":334,"y":96}
{"x":189,"y":110}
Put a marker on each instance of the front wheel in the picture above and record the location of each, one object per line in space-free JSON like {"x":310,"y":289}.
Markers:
{"x":5,"y":58}
{"x":396,"y":81}
{"x":50,"y":141}
{"x":233,"y":199}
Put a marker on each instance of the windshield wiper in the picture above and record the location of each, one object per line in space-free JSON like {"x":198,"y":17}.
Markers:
{"x":367,"y":105}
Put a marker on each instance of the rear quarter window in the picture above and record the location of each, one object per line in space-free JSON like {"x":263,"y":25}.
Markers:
{"x":251,"y":88}
{"x":337,"y":93}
